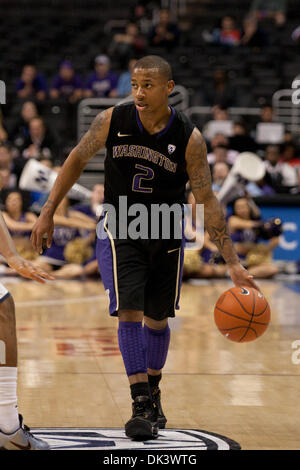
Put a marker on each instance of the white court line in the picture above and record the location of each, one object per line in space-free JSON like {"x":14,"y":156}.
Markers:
{"x":41,"y":303}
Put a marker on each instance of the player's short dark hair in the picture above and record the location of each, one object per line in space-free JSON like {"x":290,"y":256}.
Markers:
{"x":155,"y":62}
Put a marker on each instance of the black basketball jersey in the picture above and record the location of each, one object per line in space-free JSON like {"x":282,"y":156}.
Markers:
{"x":148,"y":169}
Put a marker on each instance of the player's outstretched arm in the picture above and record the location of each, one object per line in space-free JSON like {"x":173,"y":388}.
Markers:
{"x":89,"y":145}
{"x":15,"y":261}
{"x":214,"y":220}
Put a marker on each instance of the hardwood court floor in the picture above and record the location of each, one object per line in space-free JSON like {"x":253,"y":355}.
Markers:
{"x":71,"y":373}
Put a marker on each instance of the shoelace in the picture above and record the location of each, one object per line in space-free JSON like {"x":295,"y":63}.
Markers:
{"x":155,"y":391}
{"x":25,"y":428}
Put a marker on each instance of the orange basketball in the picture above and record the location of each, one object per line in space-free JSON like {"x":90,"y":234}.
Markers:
{"x":242,"y":314}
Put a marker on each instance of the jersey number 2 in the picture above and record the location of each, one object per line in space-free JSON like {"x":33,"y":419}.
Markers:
{"x":145,"y":174}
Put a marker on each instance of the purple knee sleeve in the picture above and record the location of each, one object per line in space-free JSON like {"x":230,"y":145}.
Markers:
{"x":157,"y":342}
{"x":133,"y":347}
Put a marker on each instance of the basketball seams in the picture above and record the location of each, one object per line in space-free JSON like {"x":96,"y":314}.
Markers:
{"x":261,"y":313}
{"x":240,"y":318}
{"x":248,"y":313}
{"x":251,"y":319}
{"x":237,"y":327}
{"x":231,"y":321}
{"x":237,"y":299}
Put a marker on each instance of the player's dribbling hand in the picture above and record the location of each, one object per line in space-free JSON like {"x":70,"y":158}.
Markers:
{"x":241,"y":278}
{"x":42,"y":233}
{"x":28,"y":270}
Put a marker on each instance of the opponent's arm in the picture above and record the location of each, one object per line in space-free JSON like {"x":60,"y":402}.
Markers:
{"x":214,"y":220}
{"x":14,"y":260}
{"x":89,"y":145}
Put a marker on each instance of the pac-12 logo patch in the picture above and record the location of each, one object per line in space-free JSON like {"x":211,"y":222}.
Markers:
{"x":115,"y":439}
{"x":171,"y":148}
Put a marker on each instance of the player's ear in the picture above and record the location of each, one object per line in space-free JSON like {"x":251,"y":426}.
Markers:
{"x":171,"y":85}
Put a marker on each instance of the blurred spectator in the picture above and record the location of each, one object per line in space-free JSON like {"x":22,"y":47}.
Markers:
{"x":67,"y":259}
{"x":259,"y":188}
{"x":19,"y":223}
{"x":6,"y":158}
{"x":41,"y":143}
{"x":241,"y":140}
{"x":20,"y":128}
{"x":218,"y":92}
{"x":228,"y":34}
{"x":289,"y":154}
{"x":274,"y":9}
{"x":6,"y":167}
{"x":3,"y":133}
{"x":67,"y":84}
{"x":31,"y":84}
{"x":126,"y":45}
{"x":222,"y":141}
{"x":220,"y":152}
{"x":281,"y":176}
{"x":220,"y":113}
{"x":102,"y":82}
{"x":266,"y":113}
{"x":245,"y":235}
{"x":92,"y":210}
{"x":253,"y":35}
{"x":124,"y":82}
{"x":165,"y":33}
{"x":266,"y":117}
{"x":140,"y":17}
{"x":220,"y":172}
{"x":8,"y":179}
{"x":197,"y":261}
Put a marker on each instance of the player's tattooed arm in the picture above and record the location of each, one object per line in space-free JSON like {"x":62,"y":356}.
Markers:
{"x":201,"y":186}
{"x":94,"y":139}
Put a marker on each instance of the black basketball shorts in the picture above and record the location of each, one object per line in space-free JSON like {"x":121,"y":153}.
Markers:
{"x":140,"y":274}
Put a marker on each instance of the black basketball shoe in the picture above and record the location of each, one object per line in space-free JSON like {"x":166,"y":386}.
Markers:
{"x":143,"y":423}
{"x":161,"y":419}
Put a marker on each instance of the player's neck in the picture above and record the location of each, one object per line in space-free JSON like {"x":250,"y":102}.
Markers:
{"x":156,"y":121}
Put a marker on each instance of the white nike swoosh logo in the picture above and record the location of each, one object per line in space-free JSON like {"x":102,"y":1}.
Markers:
{"x":175,"y":249}
{"x":124,"y":135}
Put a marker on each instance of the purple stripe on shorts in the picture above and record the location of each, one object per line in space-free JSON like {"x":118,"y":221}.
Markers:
{"x":105,"y":263}
{"x":181,"y":267}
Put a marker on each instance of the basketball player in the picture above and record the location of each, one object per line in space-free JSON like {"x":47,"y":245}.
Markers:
{"x":152,"y":151}
{"x":14,"y":435}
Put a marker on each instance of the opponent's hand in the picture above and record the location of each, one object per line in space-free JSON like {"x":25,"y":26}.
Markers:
{"x":28,"y":270}
{"x":42,"y":232}
{"x":240,"y":277}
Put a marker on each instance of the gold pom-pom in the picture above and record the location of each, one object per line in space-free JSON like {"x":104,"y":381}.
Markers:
{"x":192,"y":261}
{"x":77,"y":251}
{"x":25,"y":249}
{"x":259,"y":255}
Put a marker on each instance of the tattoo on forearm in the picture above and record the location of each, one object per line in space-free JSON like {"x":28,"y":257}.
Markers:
{"x":200,"y":180}
{"x":199,"y":172}
{"x":92,"y":141}
{"x":218,"y":231}
{"x":48,"y":204}
{"x":219,"y":236}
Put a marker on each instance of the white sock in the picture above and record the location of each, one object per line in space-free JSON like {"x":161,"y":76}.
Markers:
{"x":9,"y":419}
